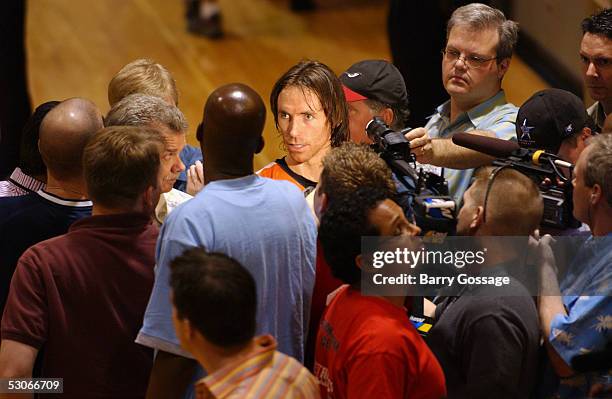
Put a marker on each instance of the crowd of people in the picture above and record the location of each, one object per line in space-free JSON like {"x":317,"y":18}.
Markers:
{"x":135,"y":265}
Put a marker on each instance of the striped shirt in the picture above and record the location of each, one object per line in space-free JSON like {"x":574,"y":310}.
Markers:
{"x":495,"y":114}
{"x":263,"y":373}
{"x":19,"y":184}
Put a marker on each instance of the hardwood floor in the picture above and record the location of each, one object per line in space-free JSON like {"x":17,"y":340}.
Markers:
{"x":75,"y":47}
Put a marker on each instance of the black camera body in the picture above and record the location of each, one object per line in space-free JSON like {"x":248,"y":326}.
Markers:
{"x":556,"y":189}
{"x":434,"y":210}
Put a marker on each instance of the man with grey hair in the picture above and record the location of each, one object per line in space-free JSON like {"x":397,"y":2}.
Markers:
{"x":479,"y":45}
{"x":578,"y":322}
{"x":144,"y":110}
{"x":169,"y":121}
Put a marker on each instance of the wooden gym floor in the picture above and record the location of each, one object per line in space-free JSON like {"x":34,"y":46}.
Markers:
{"x":75,"y":47}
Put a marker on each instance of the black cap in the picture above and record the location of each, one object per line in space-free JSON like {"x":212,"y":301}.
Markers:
{"x":549,"y":117}
{"x":375,"y":80}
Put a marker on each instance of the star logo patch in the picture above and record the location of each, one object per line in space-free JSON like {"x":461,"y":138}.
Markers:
{"x":526,"y":130}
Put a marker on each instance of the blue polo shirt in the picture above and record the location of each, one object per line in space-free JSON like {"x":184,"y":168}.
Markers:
{"x":495,"y":114}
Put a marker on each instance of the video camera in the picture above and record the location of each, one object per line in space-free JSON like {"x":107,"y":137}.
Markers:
{"x":543,"y":168}
{"x":434,"y":210}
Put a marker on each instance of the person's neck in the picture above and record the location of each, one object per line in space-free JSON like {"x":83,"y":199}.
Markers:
{"x":41,"y":178}
{"x":101,"y":210}
{"x":310,"y":169}
{"x":212,"y":173}
{"x":69,"y":189}
{"x":214,"y":358}
{"x":497,"y":252}
{"x":395,"y":300}
{"x":458,"y":106}
{"x":601,"y":223}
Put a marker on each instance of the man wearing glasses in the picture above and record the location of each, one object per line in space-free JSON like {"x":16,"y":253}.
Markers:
{"x":596,"y":57}
{"x":477,"y":55}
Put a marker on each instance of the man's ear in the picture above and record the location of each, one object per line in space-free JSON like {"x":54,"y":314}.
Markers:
{"x":387,"y":115}
{"x":595,"y":194}
{"x":477,"y":218}
{"x":322,"y":201}
{"x":586,"y":133}
{"x":260,"y":145}
{"x":359,"y":261}
{"x":502,"y":67}
{"x":150,"y":198}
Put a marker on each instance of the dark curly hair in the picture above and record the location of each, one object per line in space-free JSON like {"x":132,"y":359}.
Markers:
{"x":352,"y":165}
{"x":342,"y":226}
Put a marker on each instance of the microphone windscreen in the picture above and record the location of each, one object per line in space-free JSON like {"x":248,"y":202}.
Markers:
{"x":492,"y":146}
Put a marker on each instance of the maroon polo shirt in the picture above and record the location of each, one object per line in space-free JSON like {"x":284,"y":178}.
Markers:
{"x":81,"y":297}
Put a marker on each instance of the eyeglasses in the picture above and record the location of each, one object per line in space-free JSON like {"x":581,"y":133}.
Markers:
{"x":599,"y":62}
{"x":472,"y":61}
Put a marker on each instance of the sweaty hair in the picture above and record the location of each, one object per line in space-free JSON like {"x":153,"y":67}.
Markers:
{"x":321,"y":80}
{"x":598,"y":168}
{"x":120,"y":163}
{"x":30,"y":160}
{"x":514,"y":206}
{"x":216,"y":294}
{"x":142,"y":76}
{"x":351,"y":166}
{"x":599,"y":24}
{"x":479,"y":16}
{"x":342,"y":225}
{"x":143,"y":110}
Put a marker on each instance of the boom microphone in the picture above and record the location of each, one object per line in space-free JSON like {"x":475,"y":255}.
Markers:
{"x":539,"y":166}
{"x":505,"y":148}
{"x":494,"y":147}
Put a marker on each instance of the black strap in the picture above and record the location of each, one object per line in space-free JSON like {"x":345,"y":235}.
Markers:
{"x":300,"y":179}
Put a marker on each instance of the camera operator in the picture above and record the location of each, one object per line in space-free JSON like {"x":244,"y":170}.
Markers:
{"x":486,"y":338}
{"x":376,"y":88}
{"x":578,"y":321}
{"x":479,"y":44}
{"x":555,"y":121}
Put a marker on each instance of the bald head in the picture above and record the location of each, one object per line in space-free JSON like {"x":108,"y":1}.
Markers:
{"x":234,"y":118}
{"x":63,"y":135}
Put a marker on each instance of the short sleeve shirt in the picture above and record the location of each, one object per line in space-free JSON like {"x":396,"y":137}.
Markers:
{"x":264,"y":224}
{"x":587,"y":299}
{"x":495,"y":114}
